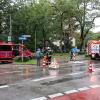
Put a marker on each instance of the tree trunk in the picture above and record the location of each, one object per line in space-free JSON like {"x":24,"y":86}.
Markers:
{"x":44,"y":37}
{"x":82,"y":37}
{"x":62,"y":34}
{"x":81,"y":46}
{"x":35,"y":36}
{"x":60,"y":45}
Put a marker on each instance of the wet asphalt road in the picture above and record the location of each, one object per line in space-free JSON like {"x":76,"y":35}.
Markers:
{"x":11,"y":73}
{"x":25,"y":82}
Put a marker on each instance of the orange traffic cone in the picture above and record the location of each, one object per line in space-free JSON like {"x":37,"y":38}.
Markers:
{"x":90,"y":67}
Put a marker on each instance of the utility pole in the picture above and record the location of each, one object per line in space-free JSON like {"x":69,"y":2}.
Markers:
{"x":10,"y":30}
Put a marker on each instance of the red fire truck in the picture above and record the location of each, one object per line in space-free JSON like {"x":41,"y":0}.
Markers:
{"x":9,"y":50}
{"x":93,"y":48}
{"x":6,"y":53}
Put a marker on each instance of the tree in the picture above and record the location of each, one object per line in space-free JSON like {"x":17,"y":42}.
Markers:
{"x":4,"y":5}
{"x":34,"y":19}
{"x":64,"y":21}
{"x":49,"y":20}
{"x":43,"y":19}
{"x":85,"y":14}
{"x":92,"y":36}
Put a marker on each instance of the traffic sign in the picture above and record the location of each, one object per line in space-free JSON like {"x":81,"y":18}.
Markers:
{"x":9,"y":38}
{"x":22,"y":38}
{"x":26,"y":35}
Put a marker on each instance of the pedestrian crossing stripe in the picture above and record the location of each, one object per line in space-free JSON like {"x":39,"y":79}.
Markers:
{"x":71,"y":91}
{"x":84,"y":88}
{"x":95,"y":86}
{"x":55,"y":95}
{"x":66,"y":92}
{"x":40,"y":98}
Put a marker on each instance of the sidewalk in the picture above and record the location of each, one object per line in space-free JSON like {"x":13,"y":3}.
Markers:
{"x":67,"y":59}
{"x":60,"y":59}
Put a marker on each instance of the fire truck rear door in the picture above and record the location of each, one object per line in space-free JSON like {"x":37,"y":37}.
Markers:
{"x":95,"y":48}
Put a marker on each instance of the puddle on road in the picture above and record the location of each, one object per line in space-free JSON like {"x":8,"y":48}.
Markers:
{"x":53,"y":72}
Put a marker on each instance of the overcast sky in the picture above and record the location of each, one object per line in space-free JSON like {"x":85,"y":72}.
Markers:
{"x":97,"y":25}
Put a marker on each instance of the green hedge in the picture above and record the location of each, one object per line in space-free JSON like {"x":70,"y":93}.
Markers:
{"x":19,"y":59}
{"x":81,"y":53}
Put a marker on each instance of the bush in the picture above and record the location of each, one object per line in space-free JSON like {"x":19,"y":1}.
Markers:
{"x":19,"y":59}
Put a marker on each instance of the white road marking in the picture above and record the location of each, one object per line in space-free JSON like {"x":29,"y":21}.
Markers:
{"x":55,"y":95}
{"x":40,"y":98}
{"x":10,"y":72}
{"x":49,"y":77}
{"x":40,"y":79}
{"x":77,"y":62}
{"x":97,"y":69}
{"x":71,"y":91}
{"x":84,"y":88}
{"x":94,"y":86}
{"x":4,"y":86}
{"x":76,"y":73}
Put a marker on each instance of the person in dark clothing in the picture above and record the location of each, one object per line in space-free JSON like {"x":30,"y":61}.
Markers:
{"x":49,"y":55}
{"x":38,"y":56}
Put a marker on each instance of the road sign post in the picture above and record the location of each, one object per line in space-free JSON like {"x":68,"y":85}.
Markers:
{"x":22,"y":50}
{"x":27,"y":36}
{"x":9,"y":38}
{"x":22,"y":39}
